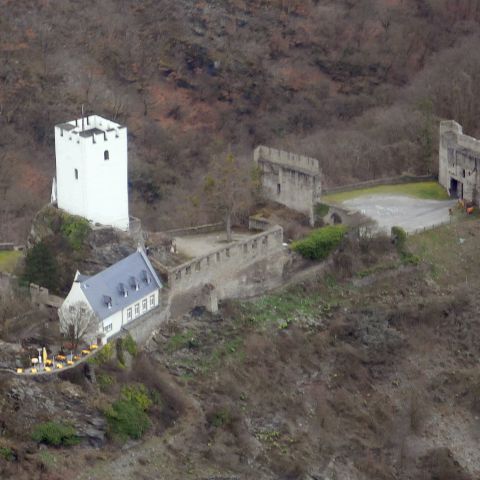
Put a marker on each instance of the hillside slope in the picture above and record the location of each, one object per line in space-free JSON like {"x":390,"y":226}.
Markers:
{"x":357,"y":84}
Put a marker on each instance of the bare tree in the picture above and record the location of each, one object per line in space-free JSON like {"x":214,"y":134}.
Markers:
{"x":229,"y":188}
{"x":78,"y":321}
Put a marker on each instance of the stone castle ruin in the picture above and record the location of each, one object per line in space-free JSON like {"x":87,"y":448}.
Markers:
{"x":459,"y":162}
{"x":290,"y":179}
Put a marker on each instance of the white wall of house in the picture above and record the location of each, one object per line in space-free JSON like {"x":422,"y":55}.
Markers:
{"x":74,"y":297}
{"x":91,"y":172}
{"x":115,"y":322}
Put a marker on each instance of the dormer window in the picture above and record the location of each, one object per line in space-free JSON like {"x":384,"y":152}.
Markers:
{"x":106,"y":155}
{"x":134,"y":283}
{"x":146,"y":277}
{"x":107,"y":301}
{"x":122,"y":288}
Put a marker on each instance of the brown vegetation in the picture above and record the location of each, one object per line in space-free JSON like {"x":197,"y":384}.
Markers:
{"x":359,"y":85}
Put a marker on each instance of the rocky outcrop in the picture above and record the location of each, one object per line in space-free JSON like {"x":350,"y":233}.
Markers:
{"x":77,"y":245}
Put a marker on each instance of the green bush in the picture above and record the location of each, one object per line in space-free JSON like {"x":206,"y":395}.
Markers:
{"x":127,"y":419}
{"x":321,"y":209}
{"x":41,"y":267}
{"x":56,"y":434}
{"x":103,"y":355}
{"x":105,"y":381}
{"x":7,"y":454}
{"x":129,"y":345}
{"x":75,"y":230}
{"x":220,"y":417}
{"x":399,"y":236}
{"x":320,"y":243}
{"x":137,"y":394}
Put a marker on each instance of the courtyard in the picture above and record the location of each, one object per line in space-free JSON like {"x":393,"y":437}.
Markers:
{"x":412,"y":214}
{"x":192,"y":246}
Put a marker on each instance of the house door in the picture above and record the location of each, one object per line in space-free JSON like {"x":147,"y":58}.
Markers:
{"x":456,"y":188}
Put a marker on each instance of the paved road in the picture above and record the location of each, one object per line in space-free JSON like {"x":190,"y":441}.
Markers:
{"x":398,"y":210}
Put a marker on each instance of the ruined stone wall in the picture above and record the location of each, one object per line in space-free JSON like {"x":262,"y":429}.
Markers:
{"x":222,"y":268}
{"x":290,"y":179}
{"x":459,"y":161}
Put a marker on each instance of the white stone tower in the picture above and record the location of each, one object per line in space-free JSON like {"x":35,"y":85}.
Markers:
{"x":92,"y":170}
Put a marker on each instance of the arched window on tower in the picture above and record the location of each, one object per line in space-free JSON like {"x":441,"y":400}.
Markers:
{"x":106,"y":155}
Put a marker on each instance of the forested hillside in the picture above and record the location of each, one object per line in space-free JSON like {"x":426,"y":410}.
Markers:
{"x":360,"y":85}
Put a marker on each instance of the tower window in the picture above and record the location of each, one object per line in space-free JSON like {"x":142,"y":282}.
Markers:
{"x":279,"y":189}
{"x":106,"y":155}
{"x":76,"y":174}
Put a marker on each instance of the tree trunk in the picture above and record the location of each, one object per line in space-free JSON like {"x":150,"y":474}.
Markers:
{"x":228,"y":226}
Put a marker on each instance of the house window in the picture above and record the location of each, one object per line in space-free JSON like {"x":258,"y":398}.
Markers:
{"x":106,"y":155}
{"x":144,"y":304}
{"x":129,"y":313}
{"x":137,"y":309}
{"x":76,"y":174}
{"x":152,"y":300}
{"x":107,"y":328}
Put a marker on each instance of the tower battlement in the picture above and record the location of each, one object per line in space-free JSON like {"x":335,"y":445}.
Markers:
{"x":92,"y":128}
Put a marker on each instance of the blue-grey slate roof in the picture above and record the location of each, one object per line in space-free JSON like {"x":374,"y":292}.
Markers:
{"x":109,"y":285}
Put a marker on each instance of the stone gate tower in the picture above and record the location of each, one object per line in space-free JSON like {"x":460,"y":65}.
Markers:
{"x":92,"y":163}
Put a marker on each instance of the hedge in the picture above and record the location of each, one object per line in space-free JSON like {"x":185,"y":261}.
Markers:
{"x":320,"y":243}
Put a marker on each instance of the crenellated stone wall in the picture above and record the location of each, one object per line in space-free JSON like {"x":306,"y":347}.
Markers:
{"x":459,"y":162}
{"x":223,"y":264}
{"x":290,"y":179}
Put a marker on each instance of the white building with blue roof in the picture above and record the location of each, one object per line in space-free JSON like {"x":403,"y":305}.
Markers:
{"x":118,"y":295}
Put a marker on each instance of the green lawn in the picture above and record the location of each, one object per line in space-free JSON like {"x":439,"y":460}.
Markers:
{"x":8,"y":260}
{"x":423,"y":190}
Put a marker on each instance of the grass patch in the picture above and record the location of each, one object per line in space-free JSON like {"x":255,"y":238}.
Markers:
{"x":442,"y":248}
{"x":422,"y":190}
{"x":47,"y":459}
{"x":9,"y":260}
{"x":181,"y":340}
{"x":282,"y":308}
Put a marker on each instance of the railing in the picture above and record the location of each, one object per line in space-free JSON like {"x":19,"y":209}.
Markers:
{"x":208,"y":228}
{"x":429,"y":227}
